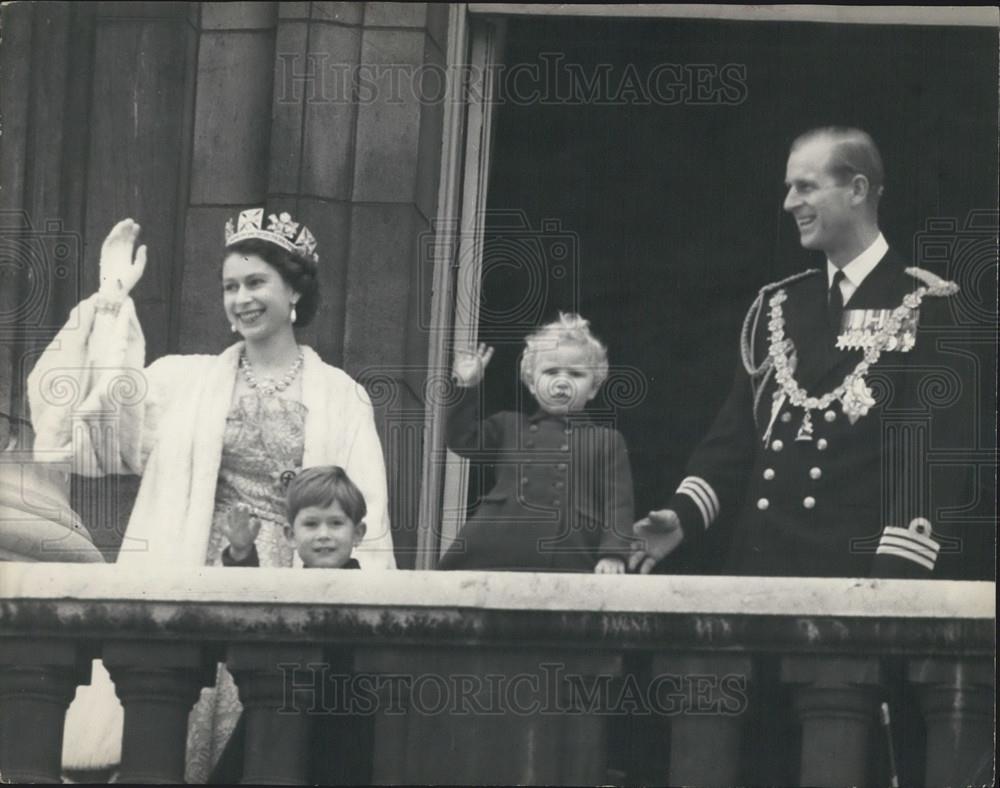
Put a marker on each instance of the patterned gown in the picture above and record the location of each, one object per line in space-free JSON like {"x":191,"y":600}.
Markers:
{"x":263,"y":442}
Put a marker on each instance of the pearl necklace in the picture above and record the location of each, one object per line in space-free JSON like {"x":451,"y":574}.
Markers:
{"x":269,"y":387}
{"x":853,"y":393}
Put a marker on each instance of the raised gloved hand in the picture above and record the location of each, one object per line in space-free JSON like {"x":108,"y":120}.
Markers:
{"x":121,"y":263}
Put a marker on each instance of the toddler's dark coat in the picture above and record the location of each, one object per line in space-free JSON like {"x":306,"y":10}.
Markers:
{"x":563,"y":495}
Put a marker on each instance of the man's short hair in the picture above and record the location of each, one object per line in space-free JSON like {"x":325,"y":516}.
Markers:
{"x":321,"y":486}
{"x":854,"y":153}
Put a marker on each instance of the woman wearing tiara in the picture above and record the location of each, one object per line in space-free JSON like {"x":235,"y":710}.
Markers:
{"x":208,"y":434}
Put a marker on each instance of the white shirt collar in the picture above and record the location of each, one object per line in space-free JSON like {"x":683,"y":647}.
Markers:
{"x":858,"y":269}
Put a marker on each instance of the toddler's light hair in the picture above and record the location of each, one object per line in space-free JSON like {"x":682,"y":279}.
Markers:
{"x":569,"y":329}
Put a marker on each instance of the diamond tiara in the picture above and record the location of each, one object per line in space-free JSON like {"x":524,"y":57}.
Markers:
{"x":278,"y":229}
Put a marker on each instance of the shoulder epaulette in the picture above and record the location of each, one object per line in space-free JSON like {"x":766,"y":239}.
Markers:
{"x":790,"y":279}
{"x":936,"y":286}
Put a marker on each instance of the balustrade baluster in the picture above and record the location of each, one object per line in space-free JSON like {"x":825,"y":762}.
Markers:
{"x":38,"y":678}
{"x":705,"y":697}
{"x":836,"y":702}
{"x":281,"y":696}
{"x":157,"y":683}
{"x":956,"y":697}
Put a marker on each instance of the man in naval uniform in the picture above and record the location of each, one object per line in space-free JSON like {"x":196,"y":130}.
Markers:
{"x":844,"y":384}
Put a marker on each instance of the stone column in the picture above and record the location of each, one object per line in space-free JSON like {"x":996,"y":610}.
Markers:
{"x":226,"y":155}
{"x":956,"y":697}
{"x":835,"y":699}
{"x":705,"y":696}
{"x":38,"y":679}
{"x":388,"y":270}
{"x":278,"y":690}
{"x":157,"y":683}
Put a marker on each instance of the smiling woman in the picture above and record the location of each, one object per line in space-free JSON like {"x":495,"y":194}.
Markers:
{"x":207,"y":434}
{"x":256,"y":273}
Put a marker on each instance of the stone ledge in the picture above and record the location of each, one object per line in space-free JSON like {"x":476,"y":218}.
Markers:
{"x":499,"y":610}
{"x":511,"y":591}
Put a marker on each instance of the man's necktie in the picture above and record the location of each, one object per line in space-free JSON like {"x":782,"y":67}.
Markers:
{"x":835,"y":302}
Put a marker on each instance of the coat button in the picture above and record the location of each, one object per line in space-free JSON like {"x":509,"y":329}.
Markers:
{"x":786,"y":417}
{"x":769,"y":473}
{"x":821,"y":444}
{"x":555,"y":501}
{"x":524,"y":480}
{"x":809,"y":502}
{"x":558,"y":485}
{"x":529,"y":443}
{"x":815,"y":473}
{"x":830,"y":415}
{"x":763,"y":503}
{"x":564,"y":447}
{"x":533,"y":428}
{"x":777,"y":445}
{"x":561,"y":466}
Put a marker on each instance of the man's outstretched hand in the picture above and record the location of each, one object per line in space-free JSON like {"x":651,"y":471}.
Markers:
{"x":659,"y":535}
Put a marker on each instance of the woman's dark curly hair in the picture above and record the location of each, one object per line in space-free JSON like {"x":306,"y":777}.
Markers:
{"x":299,"y":273}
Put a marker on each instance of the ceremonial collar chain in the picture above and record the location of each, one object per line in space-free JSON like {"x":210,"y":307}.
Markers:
{"x":269,"y":386}
{"x":853,"y":393}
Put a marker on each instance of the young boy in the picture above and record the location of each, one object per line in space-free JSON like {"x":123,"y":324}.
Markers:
{"x":325,"y":522}
{"x":563,"y":497}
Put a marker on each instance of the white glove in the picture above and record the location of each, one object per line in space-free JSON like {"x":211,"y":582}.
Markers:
{"x":119,"y":272}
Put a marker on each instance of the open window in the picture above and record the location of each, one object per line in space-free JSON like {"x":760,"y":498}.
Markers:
{"x":631,"y":169}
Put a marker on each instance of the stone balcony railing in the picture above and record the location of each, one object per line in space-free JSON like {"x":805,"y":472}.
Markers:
{"x":505,"y":677}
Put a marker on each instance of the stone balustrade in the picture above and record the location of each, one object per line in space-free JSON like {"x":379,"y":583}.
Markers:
{"x":488,"y":677}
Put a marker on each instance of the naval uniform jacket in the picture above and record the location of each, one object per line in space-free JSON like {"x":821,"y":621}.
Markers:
{"x":563,"y":496}
{"x":861,"y":499}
